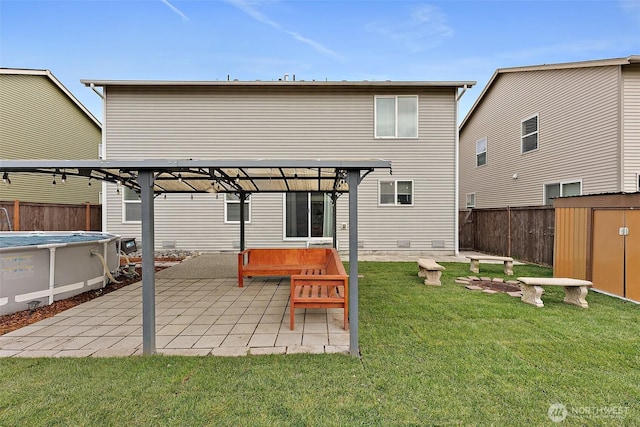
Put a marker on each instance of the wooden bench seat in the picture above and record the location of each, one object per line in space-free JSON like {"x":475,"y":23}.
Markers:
{"x":325,"y":287}
{"x":430,"y":270}
{"x":278,"y":261}
{"x":575,"y":289}
{"x":475,"y":263}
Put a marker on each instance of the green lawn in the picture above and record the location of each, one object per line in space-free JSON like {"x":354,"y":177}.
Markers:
{"x":431,"y":356}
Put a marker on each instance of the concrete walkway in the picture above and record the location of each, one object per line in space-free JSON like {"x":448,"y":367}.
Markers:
{"x":199,"y":311}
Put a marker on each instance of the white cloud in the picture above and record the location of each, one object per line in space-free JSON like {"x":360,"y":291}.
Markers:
{"x":175,"y":9}
{"x":249,"y":7}
{"x":426,"y":27}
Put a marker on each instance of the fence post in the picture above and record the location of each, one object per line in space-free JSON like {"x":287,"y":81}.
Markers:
{"x":16,"y":215}
{"x":87,"y":216}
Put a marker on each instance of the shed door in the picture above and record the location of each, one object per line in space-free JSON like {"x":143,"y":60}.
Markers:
{"x":632,"y":219}
{"x":608,"y":251}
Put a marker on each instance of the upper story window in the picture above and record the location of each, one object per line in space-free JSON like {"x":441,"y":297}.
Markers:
{"x":395,"y":193}
{"x":396,"y":116}
{"x":481,"y":152}
{"x":561,"y":189}
{"x":232,"y":208}
{"x":530,"y":134}
{"x":131,"y":206}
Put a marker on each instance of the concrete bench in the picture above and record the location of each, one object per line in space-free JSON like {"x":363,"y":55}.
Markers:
{"x":475,"y":262}
{"x":575,"y":289}
{"x":430,"y":270}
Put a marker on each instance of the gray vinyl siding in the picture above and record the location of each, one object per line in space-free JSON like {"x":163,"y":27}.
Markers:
{"x":631,"y":127}
{"x":578,"y":136}
{"x":218,"y":123}
{"x":39,"y":121}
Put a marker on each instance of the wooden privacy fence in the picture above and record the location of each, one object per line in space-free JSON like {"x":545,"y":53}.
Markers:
{"x":28,"y":216}
{"x":524,"y":233}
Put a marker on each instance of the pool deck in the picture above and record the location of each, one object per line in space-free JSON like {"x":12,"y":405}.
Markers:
{"x":195,"y":316}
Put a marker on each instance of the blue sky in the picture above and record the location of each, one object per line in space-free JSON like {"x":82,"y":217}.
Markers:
{"x":334,"y":40}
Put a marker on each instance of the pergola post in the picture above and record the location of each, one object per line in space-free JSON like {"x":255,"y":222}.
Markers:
{"x":145,"y":179}
{"x":353,"y":180}
{"x":242,"y":196}
{"x":334,"y":207}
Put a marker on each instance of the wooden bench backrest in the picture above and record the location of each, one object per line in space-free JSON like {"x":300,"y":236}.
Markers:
{"x":289,"y":256}
{"x":334,"y":263}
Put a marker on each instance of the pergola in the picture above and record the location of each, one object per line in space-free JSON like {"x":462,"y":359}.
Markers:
{"x":242,"y":177}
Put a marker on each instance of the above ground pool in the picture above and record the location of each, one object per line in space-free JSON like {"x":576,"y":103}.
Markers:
{"x":38,"y":268}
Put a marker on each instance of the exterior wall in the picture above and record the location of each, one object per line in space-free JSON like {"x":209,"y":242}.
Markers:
{"x":286,"y":123}
{"x":579,"y":128}
{"x":39,"y":121}
{"x":631,"y":127}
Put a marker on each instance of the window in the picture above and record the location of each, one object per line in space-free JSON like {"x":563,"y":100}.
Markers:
{"x":308,"y":215}
{"x":396,"y":116}
{"x":395,"y":193}
{"x":481,"y":152}
{"x":530,"y":134}
{"x":561,"y":189}
{"x":638,"y":181}
{"x":131,"y":206}
{"x":232,"y":208}
{"x":471,"y":200}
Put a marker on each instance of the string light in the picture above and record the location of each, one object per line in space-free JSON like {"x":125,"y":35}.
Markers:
{"x":179,"y":177}
{"x":64,"y":177}
{"x":54,"y":180}
{"x":89,"y":182}
{"x":6,"y":179}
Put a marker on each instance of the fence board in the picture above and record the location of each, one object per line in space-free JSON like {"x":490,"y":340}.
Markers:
{"x":51,"y":217}
{"x":524,"y":233}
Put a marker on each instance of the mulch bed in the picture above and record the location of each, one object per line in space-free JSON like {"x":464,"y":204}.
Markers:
{"x":13,"y":321}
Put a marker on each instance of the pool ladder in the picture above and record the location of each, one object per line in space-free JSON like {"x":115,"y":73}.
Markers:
{"x":6,"y":219}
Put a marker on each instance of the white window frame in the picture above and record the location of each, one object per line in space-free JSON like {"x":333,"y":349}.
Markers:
{"x":486,"y":143}
{"x":123,"y":190}
{"x":638,"y":181}
{"x":308,"y":238}
{"x":227,"y":202}
{"x":470,"y":200}
{"x":395,"y":192}
{"x":537,"y":133}
{"x":395,"y":98}
{"x":561,"y":184}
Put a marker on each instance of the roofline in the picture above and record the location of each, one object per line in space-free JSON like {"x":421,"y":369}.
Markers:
{"x":58,"y":83}
{"x":175,"y":164}
{"x":632,"y":59}
{"x":278,"y":83}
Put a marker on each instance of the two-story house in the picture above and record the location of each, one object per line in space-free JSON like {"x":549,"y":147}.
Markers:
{"x":41,"y":119}
{"x":553,"y":130}
{"x":412,"y":124}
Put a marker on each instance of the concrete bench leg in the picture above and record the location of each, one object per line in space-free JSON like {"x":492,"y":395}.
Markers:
{"x":433,"y":277}
{"x":475,"y":266}
{"x":576,"y":295}
{"x":531,"y":295}
{"x":508,"y":268}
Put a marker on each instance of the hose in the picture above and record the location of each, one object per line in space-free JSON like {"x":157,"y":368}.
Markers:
{"x":105,"y":266}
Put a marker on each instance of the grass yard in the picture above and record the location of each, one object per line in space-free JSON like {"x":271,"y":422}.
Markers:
{"x":431,"y":356}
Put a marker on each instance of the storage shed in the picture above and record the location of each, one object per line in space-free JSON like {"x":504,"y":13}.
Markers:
{"x":597,"y":238}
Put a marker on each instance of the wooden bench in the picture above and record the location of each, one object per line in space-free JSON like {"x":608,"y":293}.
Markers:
{"x":273,"y":262}
{"x":430,"y":270}
{"x":325,"y":287}
{"x":475,"y":263}
{"x":575,"y":289}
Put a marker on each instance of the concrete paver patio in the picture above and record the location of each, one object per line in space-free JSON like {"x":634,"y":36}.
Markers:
{"x":193,"y":317}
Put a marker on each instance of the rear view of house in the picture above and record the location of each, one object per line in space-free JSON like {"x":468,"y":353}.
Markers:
{"x":412,"y":124}
{"x":546,"y":131}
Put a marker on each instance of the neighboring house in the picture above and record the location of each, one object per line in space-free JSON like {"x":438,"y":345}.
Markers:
{"x":41,"y":119}
{"x":412,"y":124}
{"x":555,"y":130}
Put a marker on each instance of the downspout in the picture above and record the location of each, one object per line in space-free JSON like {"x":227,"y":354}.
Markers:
{"x":456,"y":205}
